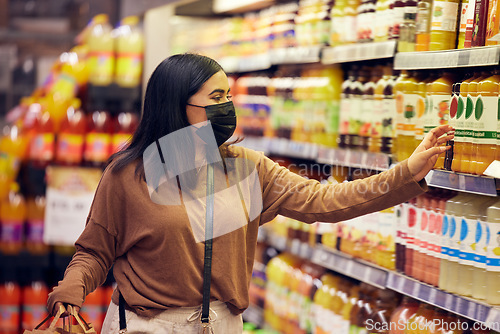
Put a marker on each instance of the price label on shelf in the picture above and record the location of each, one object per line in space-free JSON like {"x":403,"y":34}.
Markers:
{"x":70,"y":192}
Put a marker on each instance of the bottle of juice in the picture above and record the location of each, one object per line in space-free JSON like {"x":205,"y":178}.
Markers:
{"x":421,"y":105}
{"x":12,"y":218}
{"x":367,"y":111}
{"x":352,"y":299}
{"x":440,"y":90}
{"x":306,"y":289}
{"x":468,"y":231}
{"x":34,"y":298}
{"x":399,"y":121}
{"x":462,"y":104}
{"x":411,"y":97}
{"x":101,"y":58}
{"x":35,"y":216}
{"x":400,"y":240}
{"x":386,"y":303}
{"x":381,"y":20}
{"x":485,"y":129}
{"x":411,"y":225}
{"x":337,"y":23}
{"x":129,"y":52}
{"x":481,"y":240}
{"x":350,"y":20}
{"x":421,"y":321}
{"x":407,"y":29}
{"x":423,"y":25}
{"x":454,"y":100}
{"x":466,"y":23}
{"x":330,"y":94}
{"x":443,"y":25}
{"x":448,"y":232}
{"x":356,"y":107}
{"x":492,"y":27}
{"x":345,"y":108}
{"x":10,"y":307}
{"x":493,"y":255}
{"x":98,"y":139}
{"x":455,"y":268}
{"x":384,"y":113}
{"x":469,"y":124}
{"x":126,"y":123}
{"x":364,"y":309}
{"x":71,"y":137}
{"x":419,"y":243}
{"x":42,"y":146}
{"x":397,"y":17}
{"x":401,"y":315}
{"x":479,"y":25}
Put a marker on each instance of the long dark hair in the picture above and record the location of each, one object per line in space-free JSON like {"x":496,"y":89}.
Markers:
{"x":169,"y":88}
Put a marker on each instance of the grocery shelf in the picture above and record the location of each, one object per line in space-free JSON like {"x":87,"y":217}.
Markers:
{"x":384,"y":278}
{"x":296,"y":55}
{"x":321,"y":154}
{"x":357,"y":52}
{"x":478,"y":56}
{"x":482,"y":185}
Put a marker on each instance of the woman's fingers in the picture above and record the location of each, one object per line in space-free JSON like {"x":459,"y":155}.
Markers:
{"x":445,"y":139}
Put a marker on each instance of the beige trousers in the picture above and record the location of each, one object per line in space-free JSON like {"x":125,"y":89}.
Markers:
{"x":183,"y":320}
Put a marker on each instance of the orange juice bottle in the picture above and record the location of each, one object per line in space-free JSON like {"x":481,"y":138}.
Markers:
{"x":125,"y":125}
{"x":367,"y":109}
{"x":12,"y":218}
{"x":420,"y":112}
{"x":10,"y":307}
{"x":71,"y":137}
{"x":42,"y":146}
{"x":439,"y":109}
{"x":443,"y":25}
{"x":345,"y":108}
{"x":454,"y":100}
{"x":468,"y":153}
{"x":34,"y":298}
{"x":375,"y":141}
{"x":423,"y":25}
{"x":352,"y":299}
{"x":462,"y":105}
{"x":385,"y":252}
{"x":485,"y":130}
{"x":329,"y":96}
{"x":399,"y":120}
{"x":355,"y":121}
{"x":35,"y":216}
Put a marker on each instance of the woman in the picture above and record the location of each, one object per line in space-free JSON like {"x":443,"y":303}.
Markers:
{"x":158,"y":256}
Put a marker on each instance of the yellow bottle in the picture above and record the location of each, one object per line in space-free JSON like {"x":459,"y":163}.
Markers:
{"x":443,"y":25}
{"x":421,"y":108}
{"x":129,"y":53}
{"x":492,"y":27}
{"x":467,"y":155}
{"x":459,"y":139}
{"x":399,"y":121}
{"x":330,"y":96}
{"x":423,"y":25}
{"x":375,"y":141}
{"x":337,"y":35}
{"x":485,"y":130}
{"x":407,"y":139}
{"x":439,"y":109}
{"x":101,"y":58}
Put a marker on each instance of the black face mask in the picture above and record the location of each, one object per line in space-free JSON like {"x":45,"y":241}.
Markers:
{"x":222,"y":116}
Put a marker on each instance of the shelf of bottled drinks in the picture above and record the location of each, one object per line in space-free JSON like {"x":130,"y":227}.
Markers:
{"x":379,"y":277}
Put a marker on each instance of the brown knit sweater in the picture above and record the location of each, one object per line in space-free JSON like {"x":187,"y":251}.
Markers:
{"x":157,"y":262}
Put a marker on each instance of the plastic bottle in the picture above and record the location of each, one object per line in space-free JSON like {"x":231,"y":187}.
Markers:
{"x":455,"y":266}
{"x":466,"y":23}
{"x":361,"y":311}
{"x":367,"y":111}
{"x":469,"y":124}
{"x":411,"y":225}
{"x":485,"y":130}
{"x":355,"y":119}
{"x":386,"y":303}
{"x":419,"y":245}
{"x":423,"y":25}
{"x":71,"y":138}
{"x":345,"y":109}
{"x":381,"y":21}
{"x":482,"y":237}
{"x":352,"y":300}
{"x":329,"y":93}
{"x":420,"y":322}
{"x":454,"y":106}
{"x":402,"y":314}
{"x":35,"y":216}
{"x":407,"y":29}
{"x":12,"y":218}
{"x":400,"y":240}
{"x":397,"y":17}
{"x":493,"y":255}
{"x":443,"y":26}
{"x":399,"y":120}
{"x":407,"y":137}
{"x":462,"y":104}
{"x":421,"y":105}
{"x":101,"y":57}
{"x":98,"y":139}
{"x":480,"y":21}
{"x":129,"y":52}
{"x":10,"y":307}
{"x":350,"y":20}
{"x":34,"y":298}
{"x":337,"y":23}
{"x":42,"y":146}
{"x":492,"y":27}
{"x":126,"y":123}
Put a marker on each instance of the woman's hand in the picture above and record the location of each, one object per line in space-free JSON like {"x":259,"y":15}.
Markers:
{"x":425,"y":155}
{"x":66,"y":313}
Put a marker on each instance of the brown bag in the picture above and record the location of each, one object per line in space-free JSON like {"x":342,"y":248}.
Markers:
{"x":68,"y":327}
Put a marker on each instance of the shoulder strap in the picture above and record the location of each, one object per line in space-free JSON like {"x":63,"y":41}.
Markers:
{"x":207,"y":268}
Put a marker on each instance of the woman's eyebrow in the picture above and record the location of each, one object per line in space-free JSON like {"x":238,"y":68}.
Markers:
{"x":218,"y":90}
